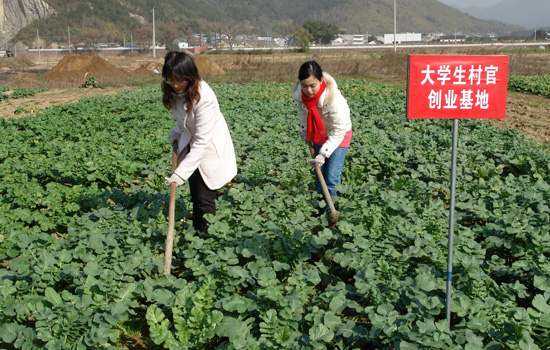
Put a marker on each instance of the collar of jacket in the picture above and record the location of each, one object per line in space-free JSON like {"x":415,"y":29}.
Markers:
{"x":326,"y":98}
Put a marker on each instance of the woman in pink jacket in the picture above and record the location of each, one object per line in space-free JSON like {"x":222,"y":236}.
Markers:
{"x":201,"y":135}
{"x":325,"y":121}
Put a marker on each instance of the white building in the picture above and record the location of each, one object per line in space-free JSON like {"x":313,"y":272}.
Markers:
{"x":351,"y":39}
{"x":456,"y":39}
{"x":433,"y":36}
{"x":359,"y":39}
{"x":280,"y":41}
{"x":338,"y":41}
{"x":402,"y":38}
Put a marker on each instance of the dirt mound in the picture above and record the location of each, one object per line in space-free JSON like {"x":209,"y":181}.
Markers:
{"x":75,"y":69}
{"x":207,"y":67}
{"x":148,"y":69}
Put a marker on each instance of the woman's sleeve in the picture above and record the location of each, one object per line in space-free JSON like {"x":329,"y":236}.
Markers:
{"x":206,"y":115}
{"x":339,"y":116}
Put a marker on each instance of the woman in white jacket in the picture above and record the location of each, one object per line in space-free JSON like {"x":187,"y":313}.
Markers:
{"x":325,"y":121}
{"x":200,"y":137}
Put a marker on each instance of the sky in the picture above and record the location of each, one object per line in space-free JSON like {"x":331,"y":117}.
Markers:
{"x":532,"y":13}
{"x":467,"y":3}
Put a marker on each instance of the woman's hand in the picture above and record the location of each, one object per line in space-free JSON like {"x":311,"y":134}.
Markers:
{"x":318,"y":160}
{"x":175,"y":178}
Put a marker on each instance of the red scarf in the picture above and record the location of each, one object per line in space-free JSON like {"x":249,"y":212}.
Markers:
{"x":316,"y":131}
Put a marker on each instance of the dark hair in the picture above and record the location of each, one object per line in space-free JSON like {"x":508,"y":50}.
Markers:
{"x":179,"y":66}
{"x":310,"y":68}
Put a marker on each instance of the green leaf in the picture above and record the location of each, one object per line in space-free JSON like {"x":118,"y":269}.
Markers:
{"x":404,"y":345}
{"x":163,"y":296}
{"x":52,"y":297}
{"x":542,"y":283}
{"x":267,"y":277}
{"x":426,"y":326}
{"x":320,"y":332}
{"x":158,"y":325}
{"x":238,"y":332}
{"x":236,"y":303}
{"x":425,"y":282}
{"x":8,"y":332}
{"x":338,"y":303}
{"x":539,"y":302}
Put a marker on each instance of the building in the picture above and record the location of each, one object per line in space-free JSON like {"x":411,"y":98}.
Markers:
{"x":6,"y":53}
{"x":280,"y":41}
{"x":359,"y":39}
{"x":338,"y":41}
{"x":183,"y":45}
{"x":403,"y":38}
{"x":351,"y":39}
{"x":433,"y":36}
{"x":265,"y":40}
{"x":453,"y":39}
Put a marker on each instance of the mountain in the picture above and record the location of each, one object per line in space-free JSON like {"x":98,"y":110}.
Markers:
{"x":413,"y":16}
{"x":15,"y":15}
{"x":113,"y":20}
{"x":526,"y":13}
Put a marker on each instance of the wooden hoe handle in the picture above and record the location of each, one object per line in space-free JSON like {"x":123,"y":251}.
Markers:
{"x":171,"y":220}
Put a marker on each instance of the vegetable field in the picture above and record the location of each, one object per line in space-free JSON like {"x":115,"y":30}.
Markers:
{"x":83,"y":221}
{"x":536,"y":85}
{"x":19,"y":92}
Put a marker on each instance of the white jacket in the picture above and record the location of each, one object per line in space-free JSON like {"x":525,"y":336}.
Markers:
{"x":204,"y":129}
{"x":334,"y":110}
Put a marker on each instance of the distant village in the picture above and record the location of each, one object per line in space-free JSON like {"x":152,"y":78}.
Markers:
{"x":199,"y":42}
{"x":366,"y":39}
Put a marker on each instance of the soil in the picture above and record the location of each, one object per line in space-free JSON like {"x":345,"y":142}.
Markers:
{"x":530,"y":114}
{"x":13,"y":108}
{"x":208,"y":67}
{"x":10,"y":63}
{"x":148,"y":69}
{"x":76,"y":68}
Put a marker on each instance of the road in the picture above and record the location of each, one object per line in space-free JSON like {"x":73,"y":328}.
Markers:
{"x":387,"y":47}
{"x":348,"y":47}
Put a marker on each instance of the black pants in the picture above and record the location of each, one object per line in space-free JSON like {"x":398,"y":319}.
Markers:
{"x":204,"y":201}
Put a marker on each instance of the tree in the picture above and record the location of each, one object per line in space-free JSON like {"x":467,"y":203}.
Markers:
{"x":171,"y":33}
{"x":321,"y":32}
{"x":285,"y":29}
{"x":232,"y":29}
{"x":302,"y":38}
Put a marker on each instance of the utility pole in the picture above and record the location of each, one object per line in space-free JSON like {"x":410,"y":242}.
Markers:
{"x":154,"y":36}
{"x":38,"y":44}
{"x":395,"y":25}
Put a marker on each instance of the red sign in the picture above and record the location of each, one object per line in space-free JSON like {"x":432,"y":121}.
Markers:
{"x":457,"y":87}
